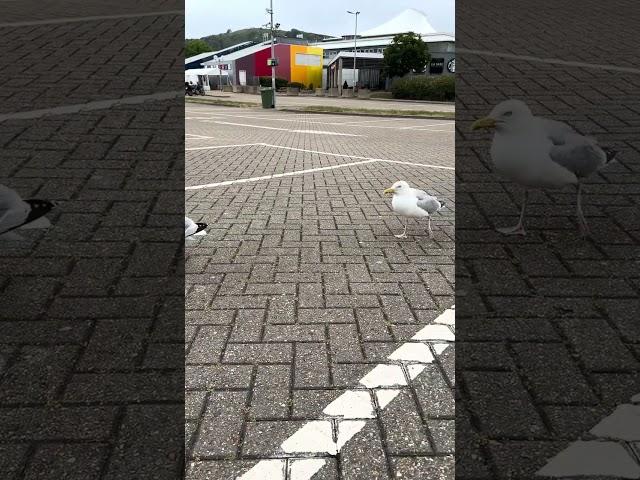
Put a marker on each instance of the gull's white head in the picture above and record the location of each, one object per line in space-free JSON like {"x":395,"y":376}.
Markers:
{"x":399,"y":188}
{"x":504,"y":116}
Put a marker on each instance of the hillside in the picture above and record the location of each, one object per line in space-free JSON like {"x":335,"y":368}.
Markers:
{"x":229,"y":38}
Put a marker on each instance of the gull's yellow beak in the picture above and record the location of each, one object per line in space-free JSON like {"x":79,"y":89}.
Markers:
{"x":389,"y":190}
{"x":486,"y":122}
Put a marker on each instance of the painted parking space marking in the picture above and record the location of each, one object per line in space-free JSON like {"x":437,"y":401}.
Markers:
{"x":348,"y":414}
{"x":319,"y":121}
{"x":344,"y":155}
{"x":340,"y":155}
{"x":364,"y":161}
{"x":213,"y":147}
{"x":315,"y":132}
{"x":276,"y":175}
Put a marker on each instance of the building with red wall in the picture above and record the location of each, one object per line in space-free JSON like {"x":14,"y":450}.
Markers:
{"x":296,"y":63}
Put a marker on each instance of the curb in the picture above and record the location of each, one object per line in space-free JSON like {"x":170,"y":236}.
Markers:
{"x":365,"y":114}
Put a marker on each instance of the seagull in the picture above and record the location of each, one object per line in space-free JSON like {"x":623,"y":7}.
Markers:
{"x":192,"y":228}
{"x":16,"y":213}
{"x":536,"y":152}
{"x":411,"y":202}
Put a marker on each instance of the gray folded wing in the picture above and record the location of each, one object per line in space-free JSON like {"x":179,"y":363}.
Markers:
{"x":579,"y":154}
{"x":13,"y":210}
{"x":427,"y":202}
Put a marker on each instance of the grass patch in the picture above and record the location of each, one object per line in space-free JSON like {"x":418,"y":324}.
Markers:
{"x":372,"y":111}
{"x":381,"y":95}
{"x":223,"y":103}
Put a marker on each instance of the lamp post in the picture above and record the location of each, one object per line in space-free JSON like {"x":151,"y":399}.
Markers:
{"x":273,"y":56}
{"x":355,"y":51}
{"x":219,"y":73}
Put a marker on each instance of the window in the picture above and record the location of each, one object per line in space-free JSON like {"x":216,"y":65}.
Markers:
{"x":308,"y":59}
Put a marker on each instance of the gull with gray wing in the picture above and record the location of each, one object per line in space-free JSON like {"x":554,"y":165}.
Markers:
{"x":536,"y":152}
{"x":412,"y":203}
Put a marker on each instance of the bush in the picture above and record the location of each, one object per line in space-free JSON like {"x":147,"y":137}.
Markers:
{"x":440,"y":88}
{"x":296,"y":85}
{"x":280,"y":82}
{"x":311,"y":86}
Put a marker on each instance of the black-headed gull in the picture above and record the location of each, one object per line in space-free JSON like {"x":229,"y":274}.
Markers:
{"x":16,"y":213}
{"x":540,"y":153}
{"x":192,"y":228}
{"x":414,"y":203}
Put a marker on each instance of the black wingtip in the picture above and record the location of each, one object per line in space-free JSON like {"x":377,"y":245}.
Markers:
{"x":39,"y":208}
{"x":201,"y":226}
{"x":610,"y":152}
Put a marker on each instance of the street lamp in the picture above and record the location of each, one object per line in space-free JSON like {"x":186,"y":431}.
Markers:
{"x":219,"y":71}
{"x":355,"y":51}
{"x":273,"y":56}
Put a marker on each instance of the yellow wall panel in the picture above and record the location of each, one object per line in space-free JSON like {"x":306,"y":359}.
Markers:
{"x":305,"y":73}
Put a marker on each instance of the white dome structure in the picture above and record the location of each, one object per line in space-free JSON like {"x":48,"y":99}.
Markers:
{"x":410,"y":20}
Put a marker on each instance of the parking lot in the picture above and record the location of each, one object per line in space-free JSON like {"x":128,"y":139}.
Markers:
{"x":318,"y":344}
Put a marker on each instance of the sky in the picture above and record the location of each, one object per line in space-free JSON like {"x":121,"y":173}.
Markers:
{"x":328,"y":17}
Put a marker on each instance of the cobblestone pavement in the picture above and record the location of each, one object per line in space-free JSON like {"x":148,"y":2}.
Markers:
{"x":310,"y":100}
{"x":299,"y":294}
{"x":548,"y":332}
{"x":91,"y":309}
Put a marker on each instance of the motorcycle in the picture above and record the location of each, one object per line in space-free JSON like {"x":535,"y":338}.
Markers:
{"x":191,"y":89}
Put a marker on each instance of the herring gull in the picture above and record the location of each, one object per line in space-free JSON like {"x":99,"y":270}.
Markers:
{"x":414,"y":203}
{"x":536,"y":152}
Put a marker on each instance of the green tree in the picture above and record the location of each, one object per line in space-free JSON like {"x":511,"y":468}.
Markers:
{"x":194,"y":47}
{"x":407,"y":53}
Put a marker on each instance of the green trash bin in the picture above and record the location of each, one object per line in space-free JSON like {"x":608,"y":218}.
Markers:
{"x":267,"y":97}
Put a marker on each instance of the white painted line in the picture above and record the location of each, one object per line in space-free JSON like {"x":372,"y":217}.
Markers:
{"x":213,"y":147}
{"x":304,"y":469}
{"x":353,"y":404}
{"x":435,"y":332}
{"x":53,"y":21}
{"x":385,"y":396}
{"x":90,"y":106}
{"x":552,"y":61}
{"x":315,"y":132}
{"x":413,"y":164}
{"x":275,"y":175}
{"x":431,"y":130}
{"x":324,"y":122}
{"x":418,"y":127}
{"x":316,"y":437}
{"x":196,"y":136}
{"x":269,"y":469}
{"x":358,"y":157}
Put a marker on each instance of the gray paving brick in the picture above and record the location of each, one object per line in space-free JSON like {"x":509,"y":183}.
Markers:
{"x":405,"y":432}
{"x":219,"y":429}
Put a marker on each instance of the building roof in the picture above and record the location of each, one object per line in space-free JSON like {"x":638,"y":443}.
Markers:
{"x":206,"y":71}
{"x":410,"y":20}
{"x":381,"y":41}
{"x":240,"y":53}
{"x":200,"y":56}
{"x":360,"y":56}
